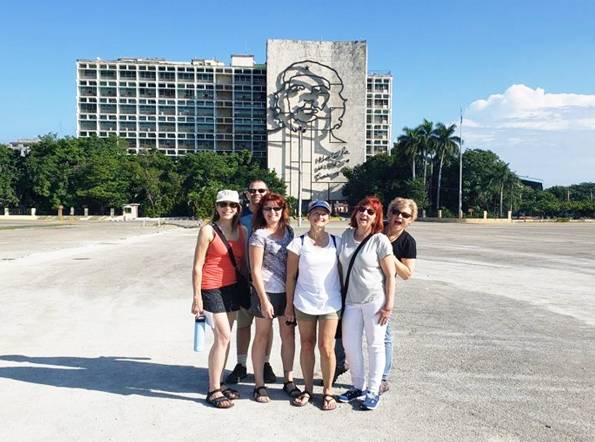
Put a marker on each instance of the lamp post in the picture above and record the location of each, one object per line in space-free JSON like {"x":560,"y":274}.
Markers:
{"x":300,"y":146}
{"x":461,"y":166}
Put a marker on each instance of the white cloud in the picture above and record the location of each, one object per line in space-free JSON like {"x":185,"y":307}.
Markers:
{"x":545,"y":135}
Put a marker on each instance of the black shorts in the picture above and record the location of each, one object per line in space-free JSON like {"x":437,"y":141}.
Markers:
{"x":278,"y":300}
{"x":221,"y":300}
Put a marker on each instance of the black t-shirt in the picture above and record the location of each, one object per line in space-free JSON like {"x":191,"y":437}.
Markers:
{"x":404,"y":246}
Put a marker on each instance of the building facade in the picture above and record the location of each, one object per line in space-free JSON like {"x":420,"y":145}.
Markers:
{"x":341,"y":115}
{"x":175,"y":107}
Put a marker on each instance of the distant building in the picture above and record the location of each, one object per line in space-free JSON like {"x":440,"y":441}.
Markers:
{"x":203,"y":105}
{"x":23,"y":145}
{"x":533,"y":183}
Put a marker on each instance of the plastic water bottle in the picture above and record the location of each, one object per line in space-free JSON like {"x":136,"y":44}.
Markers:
{"x":199,"y":333}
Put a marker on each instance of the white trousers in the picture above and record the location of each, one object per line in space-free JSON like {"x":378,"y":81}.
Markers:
{"x":357,"y":320}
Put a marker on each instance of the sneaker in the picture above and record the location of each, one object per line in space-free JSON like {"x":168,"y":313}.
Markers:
{"x":351,"y":394}
{"x":384,"y":387}
{"x":371,"y":401}
{"x":268,"y":374}
{"x":238,"y":373}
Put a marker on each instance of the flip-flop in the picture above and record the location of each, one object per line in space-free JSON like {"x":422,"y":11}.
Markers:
{"x":298,"y":400}
{"x":294,"y":392}
{"x":329,"y":403}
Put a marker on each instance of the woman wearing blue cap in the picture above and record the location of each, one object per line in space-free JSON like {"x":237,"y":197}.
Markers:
{"x":313,"y":291}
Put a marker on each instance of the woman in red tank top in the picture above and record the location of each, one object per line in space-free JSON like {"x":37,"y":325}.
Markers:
{"x":215,"y":286}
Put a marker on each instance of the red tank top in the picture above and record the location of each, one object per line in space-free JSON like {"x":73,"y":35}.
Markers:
{"x":218,"y":271}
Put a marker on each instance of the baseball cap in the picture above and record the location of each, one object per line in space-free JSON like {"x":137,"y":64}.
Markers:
{"x":228,"y":195}
{"x":319,"y":204}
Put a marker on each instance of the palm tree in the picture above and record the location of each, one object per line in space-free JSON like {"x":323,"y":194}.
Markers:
{"x":426,"y":142}
{"x":409,"y":141}
{"x":446,"y":145}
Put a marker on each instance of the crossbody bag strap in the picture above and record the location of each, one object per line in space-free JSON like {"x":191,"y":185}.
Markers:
{"x":227,"y":245}
{"x":353,"y":260}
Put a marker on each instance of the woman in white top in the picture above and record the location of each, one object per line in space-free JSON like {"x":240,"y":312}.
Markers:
{"x":369,"y":300}
{"x":313,"y":292}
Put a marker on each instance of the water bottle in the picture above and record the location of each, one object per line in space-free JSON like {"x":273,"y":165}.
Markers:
{"x":199,"y":333}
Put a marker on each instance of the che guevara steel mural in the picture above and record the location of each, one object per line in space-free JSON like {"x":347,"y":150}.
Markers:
{"x":308,"y":100}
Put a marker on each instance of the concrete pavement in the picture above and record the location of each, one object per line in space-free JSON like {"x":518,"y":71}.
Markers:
{"x":494,"y":340}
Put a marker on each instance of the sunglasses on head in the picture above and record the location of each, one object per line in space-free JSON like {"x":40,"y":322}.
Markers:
{"x":253,"y":191}
{"x":369,"y":211}
{"x":224,"y":204}
{"x":276,"y":209}
{"x":397,"y":212}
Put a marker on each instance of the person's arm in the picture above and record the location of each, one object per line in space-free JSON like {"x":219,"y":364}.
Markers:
{"x":205,"y":236}
{"x":292,"y":273}
{"x":256,"y":258}
{"x":388,"y":268}
{"x":405,"y":267}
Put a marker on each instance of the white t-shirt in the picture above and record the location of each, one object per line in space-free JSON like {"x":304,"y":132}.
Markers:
{"x":366,"y":282}
{"x":318,"y":287}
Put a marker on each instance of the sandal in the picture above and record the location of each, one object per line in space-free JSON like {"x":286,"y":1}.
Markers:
{"x":263,"y":398}
{"x":293,"y":392}
{"x":298,"y":401}
{"x":218,"y":402}
{"x":328,"y":402}
{"x":230,"y":393}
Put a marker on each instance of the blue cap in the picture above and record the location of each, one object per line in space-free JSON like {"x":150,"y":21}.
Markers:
{"x":319,"y":204}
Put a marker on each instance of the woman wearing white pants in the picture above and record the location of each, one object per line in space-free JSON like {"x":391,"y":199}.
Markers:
{"x":370,"y":282}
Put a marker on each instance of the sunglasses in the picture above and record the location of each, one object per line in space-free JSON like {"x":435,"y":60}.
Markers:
{"x":369,"y":211}
{"x":397,"y":212}
{"x":224,"y":204}
{"x":276,"y":209}
{"x":253,"y":191}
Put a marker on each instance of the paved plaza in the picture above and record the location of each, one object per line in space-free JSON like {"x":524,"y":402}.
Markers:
{"x":494,"y":340}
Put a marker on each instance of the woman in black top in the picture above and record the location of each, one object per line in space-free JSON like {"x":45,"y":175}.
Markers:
{"x":401,"y":213}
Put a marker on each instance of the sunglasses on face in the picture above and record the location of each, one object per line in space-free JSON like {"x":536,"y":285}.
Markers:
{"x":369,"y":211}
{"x":225,"y":204}
{"x":276,"y":209}
{"x":397,"y":212}
{"x":253,"y":191}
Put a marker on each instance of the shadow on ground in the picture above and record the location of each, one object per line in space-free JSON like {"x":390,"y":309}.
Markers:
{"x":110,"y":374}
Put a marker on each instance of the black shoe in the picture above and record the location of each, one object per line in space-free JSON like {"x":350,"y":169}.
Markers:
{"x":268,"y":374}
{"x":238,"y":373}
{"x":338,"y":372}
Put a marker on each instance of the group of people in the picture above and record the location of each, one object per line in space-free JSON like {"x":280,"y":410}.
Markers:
{"x":335,"y":289}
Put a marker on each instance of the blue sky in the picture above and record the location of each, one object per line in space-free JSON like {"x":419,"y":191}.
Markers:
{"x":443,"y":55}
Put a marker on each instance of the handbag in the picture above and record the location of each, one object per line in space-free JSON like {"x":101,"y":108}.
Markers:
{"x":345,"y":285}
{"x":243,"y":285}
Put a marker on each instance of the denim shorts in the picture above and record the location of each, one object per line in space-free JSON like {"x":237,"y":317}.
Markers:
{"x":277,"y":299}
{"x":221,"y":300}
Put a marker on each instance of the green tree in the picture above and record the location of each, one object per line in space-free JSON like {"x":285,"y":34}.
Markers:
{"x":446,"y":145}
{"x":411,"y":144}
{"x":49,"y":170}
{"x":206,"y":172}
{"x":154,"y":183}
{"x":101,"y":178}
{"x":380,"y":175}
{"x":9,"y":176}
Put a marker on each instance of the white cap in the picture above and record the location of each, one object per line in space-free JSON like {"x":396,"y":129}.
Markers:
{"x":228,"y":195}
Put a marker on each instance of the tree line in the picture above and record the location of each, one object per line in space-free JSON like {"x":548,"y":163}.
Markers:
{"x":97,"y":173}
{"x":424,"y":165}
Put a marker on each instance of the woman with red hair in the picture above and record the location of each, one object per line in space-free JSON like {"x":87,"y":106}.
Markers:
{"x":368,"y":266}
{"x":268,"y":259}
